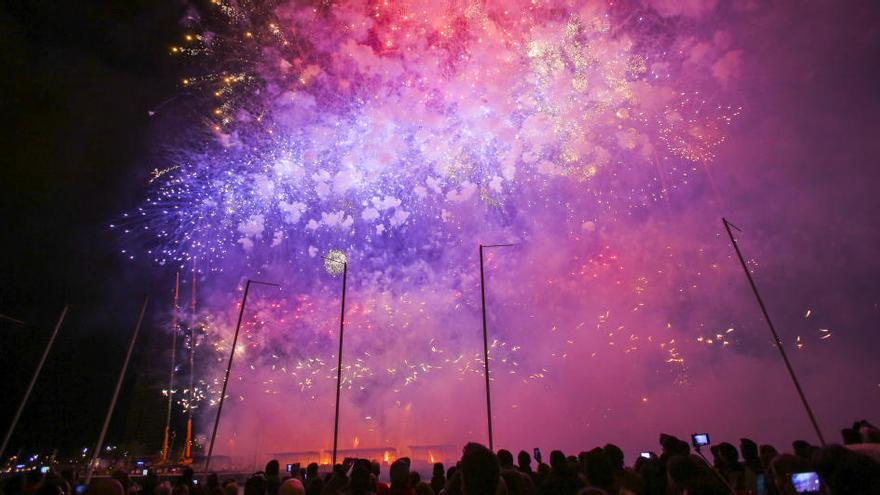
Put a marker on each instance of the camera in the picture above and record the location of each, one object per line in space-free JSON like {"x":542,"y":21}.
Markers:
{"x":807,"y":482}
{"x":700,"y":439}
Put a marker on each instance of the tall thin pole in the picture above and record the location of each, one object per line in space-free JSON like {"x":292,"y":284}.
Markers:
{"x":797,"y":385}
{"x":486,"y":340}
{"x":486,"y":350}
{"x":100,"y":445}
{"x":339,"y":365}
{"x":30,"y":387}
{"x":165,"y":441}
{"x":187,"y":451}
{"x":247,"y":288}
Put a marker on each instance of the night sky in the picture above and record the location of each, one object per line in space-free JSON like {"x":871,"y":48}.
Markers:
{"x":797,"y":170}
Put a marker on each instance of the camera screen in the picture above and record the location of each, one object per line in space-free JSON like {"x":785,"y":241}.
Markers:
{"x":701,"y":439}
{"x":646,"y":455}
{"x":805,"y":482}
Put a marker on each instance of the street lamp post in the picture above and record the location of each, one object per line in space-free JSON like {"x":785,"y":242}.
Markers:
{"x":331,"y":263}
{"x":247,"y":288}
{"x":797,"y":385}
{"x":486,"y":340}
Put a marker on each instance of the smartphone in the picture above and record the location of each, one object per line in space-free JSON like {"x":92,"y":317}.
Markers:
{"x":700,"y":439}
{"x":538,"y":455}
{"x":646,"y":455}
{"x":195,"y":482}
{"x":81,"y":489}
{"x":44,"y":469}
{"x":144,"y":472}
{"x":807,"y":482}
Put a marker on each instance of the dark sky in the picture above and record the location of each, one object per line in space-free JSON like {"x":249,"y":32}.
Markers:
{"x":78,"y":80}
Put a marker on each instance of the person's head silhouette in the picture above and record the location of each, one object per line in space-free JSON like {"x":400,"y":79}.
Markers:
{"x":479,"y":470}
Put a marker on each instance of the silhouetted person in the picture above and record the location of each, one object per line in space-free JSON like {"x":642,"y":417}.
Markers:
{"x":524,"y":462}
{"x":850,"y":436}
{"x":598,"y":470}
{"x":517,"y":482}
{"x":438,"y":478}
{"x":381,"y":487}
{"x":314,"y":483}
{"x":845,"y":471}
{"x":230,"y":487}
{"x":560,"y":481}
{"x":273,"y":477}
{"x":480,"y":471}
{"x":734,"y":471}
{"x":361,"y":482}
{"x":767,"y":453}
{"x":781,"y":468}
{"x":654,"y":476}
{"x":541,"y":475}
{"x":255,"y":485}
{"x":802,"y":449}
{"x":751,"y":459}
{"x":186,"y":478}
{"x":292,"y":486}
{"x":337,"y":482}
{"x":689,"y":474}
{"x":400,"y":480}
{"x":624,"y":479}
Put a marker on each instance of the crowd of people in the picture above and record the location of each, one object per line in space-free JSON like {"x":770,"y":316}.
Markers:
{"x":849,"y":469}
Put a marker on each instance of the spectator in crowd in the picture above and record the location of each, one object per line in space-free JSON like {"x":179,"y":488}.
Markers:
{"x":381,"y":487}
{"x":561,"y":480}
{"x":400,"y":479}
{"x":751,"y":459}
{"x":230,"y":487}
{"x":314,"y":483}
{"x":689,"y":474}
{"x":480,"y":471}
{"x":802,"y":449}
{"x":438,"y":478}
{"x":255,"y":485}
{"x":361,"y":480}
{"x":847,"y":472}
{"x":273,"y":477}
{"x":734,"y":472}
{"x":781,"y":469}
{"x":847,"y":469}
{"x":517,"y":482}
{"x":336,"y":483}
{"x":624,"y":480}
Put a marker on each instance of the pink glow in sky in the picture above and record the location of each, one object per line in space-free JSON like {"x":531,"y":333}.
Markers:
{"x":605,"y":141}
